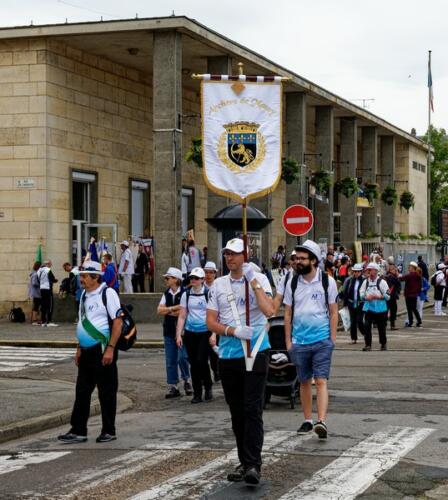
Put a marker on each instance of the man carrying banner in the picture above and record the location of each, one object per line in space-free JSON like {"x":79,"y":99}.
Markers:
{"x":243,"y":390}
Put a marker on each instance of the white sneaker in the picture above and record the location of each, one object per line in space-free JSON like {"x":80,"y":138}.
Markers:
{"x":52,"y":324}
{"x":44,"y":324}
{"x":442,"y":314}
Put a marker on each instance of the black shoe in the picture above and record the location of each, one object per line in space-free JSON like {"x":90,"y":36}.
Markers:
{"x":173,"y":392}
{"x":419,"y":325}
{"x":188,"y":389}
{"x":216,"y":377}
{"x":70,"y":437}
{"x":367,"y":348}
{"x":408,"y":325}
{"x":252,"y":476}
{"x":208,"y":394}
{"x":196,"y":400}
{"x":320,"y":429}
{"x":237,"y":475}
{"x":305,"y":428}
{"x":104,"y":437}
{"x":384,"y":348}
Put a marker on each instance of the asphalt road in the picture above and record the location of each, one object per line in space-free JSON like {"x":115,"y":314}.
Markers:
{"x":388,"y":435}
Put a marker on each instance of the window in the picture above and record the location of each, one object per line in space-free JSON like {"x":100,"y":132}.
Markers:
{"x":337,"y":227}
{"x":84,"y":196}
{"x":139,"y":208}
{"x":187,"y":210}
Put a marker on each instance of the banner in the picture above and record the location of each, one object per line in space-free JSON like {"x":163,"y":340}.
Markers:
{"x":241,"y":137}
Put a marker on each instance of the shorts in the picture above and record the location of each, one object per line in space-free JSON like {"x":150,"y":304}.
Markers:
{"x":36,"y":304}
{"x":312,"y":360}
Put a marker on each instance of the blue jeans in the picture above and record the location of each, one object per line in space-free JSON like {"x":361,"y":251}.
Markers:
{"x":175,"y":359}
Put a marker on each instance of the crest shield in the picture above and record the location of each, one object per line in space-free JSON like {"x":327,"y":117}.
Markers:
{"x":241,"y":142}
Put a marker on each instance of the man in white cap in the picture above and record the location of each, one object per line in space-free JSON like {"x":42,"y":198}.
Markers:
{"x":210,"y":273}
{"x":352,"y":300}
{"x":311,"y":320}
{"x":98,"y":331}
{"x":375,"y":293}
{"x":439,"y":282}
{"x":243,"y":389}
{"x":126,"y":268}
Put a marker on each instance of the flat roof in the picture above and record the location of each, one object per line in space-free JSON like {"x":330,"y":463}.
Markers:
{"x":201,"y":32}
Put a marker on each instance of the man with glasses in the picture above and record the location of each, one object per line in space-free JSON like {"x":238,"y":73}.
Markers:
{"x":243,"y":390}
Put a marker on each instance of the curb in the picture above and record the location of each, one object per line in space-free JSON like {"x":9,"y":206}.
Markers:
{"x":145,"y":344}
{"x":55,"y":419}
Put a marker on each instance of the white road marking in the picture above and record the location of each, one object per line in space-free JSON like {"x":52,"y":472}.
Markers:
{"x":206,"y":477}
{"x":18,"y":358}
{"x":394,"y":396}
{"x":12,"y":463}
{"x":297,"y":220}
{"x":360,"y":466}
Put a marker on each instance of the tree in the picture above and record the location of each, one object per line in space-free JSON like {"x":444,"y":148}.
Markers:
{"x":439,"y":174}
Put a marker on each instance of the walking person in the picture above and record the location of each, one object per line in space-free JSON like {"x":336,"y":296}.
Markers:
{"x":191,"y":258}
{"x":46,"y":280}
{"x":412,"y":287}
{"x":352,"y":300}
{"x":141,"y":270}
{"x":394,"y":289}
{"x":311,"y":320}
{"x":175,"y":358}
{"x":423,"y":294}
{"x":439,"y":282}
{"x":280,"y":290}
{"x":110,"y":276}
{"x":126,"y":267}
{"x":243,"y":389}
{"x":423,"y":266}
{"x":35,"y":295}
{"x":192,"y":317}
{"x":375,"y":293}
{"x":98,"y":331}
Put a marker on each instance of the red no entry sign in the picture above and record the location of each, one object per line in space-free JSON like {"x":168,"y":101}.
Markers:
{"x":297,"y":220}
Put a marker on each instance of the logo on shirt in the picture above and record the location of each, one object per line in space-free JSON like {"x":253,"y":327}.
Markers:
{"x":316,"y":296}
{"x":93,"y":307}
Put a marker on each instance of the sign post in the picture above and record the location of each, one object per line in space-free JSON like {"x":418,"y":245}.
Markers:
{"x":297,"y":220}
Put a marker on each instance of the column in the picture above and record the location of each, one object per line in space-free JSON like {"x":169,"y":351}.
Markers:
{"x":295,"y":147}
{"x":347,"y":206}
{"x":370,"y":220}
{"x":387,"y":167}
{"x":167,"y":144}
{"x":220,"y":65}
{"x":323,"y":212}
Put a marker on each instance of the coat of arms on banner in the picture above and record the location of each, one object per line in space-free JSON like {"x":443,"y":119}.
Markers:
{"x":241,"y":147}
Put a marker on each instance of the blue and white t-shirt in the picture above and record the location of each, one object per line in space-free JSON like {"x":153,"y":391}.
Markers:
{"x":311,"y":321}
{"x":230,"y":347}
{"x":196,"y":310}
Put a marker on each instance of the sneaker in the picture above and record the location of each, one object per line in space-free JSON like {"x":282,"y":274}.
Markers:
{"x":252,"y":476}
{"x":237,"y":475}
{"x":408,"y":325}
{"x":384,"y":348}
{"x":43,"y":324}
{"x":208,"y":395}
{"x":173,"y":392}
{"x":418,"y":325}
{"x":104,"y":437}
{"x":216,"y":377}
{"x":52,"y":324}
{"x":70,"y":437}
{"x":305,"y":428}
{"x":367,"y":348}
{"x":36,"y":323}
{"x":196,"y":400}
{"x":188,"y":389}
{"x":442,"y":314}
{"x":320,"y":429}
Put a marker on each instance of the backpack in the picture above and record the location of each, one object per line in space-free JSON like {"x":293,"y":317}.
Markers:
{"x":294,"y":281}
{"x":17,"y":315}
{"x":128,"y":329}
{"x":434,"y":278}
{"x":205,"y":294}
{"x":64,"y":287}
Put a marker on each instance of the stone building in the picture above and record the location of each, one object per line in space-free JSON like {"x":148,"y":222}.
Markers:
{"x":95,"y":121}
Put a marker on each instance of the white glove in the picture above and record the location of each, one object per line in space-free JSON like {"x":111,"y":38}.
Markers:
{"x":248,"y":272}
{"x":244,"y":332}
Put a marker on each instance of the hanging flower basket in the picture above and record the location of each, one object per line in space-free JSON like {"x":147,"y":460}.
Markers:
{"x":194,"y":153}
{"x":371,"y":191}
{"x":389,"y":196}
{"x":321,"y":180}
{"x":290,"y":170}
{"x":407,"y":200}
{"x":348,"y":186}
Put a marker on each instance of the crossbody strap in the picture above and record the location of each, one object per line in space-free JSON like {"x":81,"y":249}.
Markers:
{"x":232,"y":302}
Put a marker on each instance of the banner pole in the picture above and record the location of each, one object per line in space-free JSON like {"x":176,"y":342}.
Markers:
{"x":246,"y":283}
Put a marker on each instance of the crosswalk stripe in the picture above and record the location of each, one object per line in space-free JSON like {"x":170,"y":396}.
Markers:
{"x":202,"y":478}
{"x":12,"y":463}
{"x":32,"y":350}
{"x":13,"y":359}
{"x":360,"y":466}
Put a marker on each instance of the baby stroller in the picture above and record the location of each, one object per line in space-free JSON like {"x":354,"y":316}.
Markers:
{"x":282,"y":374}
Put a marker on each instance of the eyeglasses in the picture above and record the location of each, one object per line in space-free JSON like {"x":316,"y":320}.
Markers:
{"x":302,"y":258}
{"x":195,"y":278}
{"x":167,"y":277}
{"x":229,"y":254}
{"x":293,"y":257}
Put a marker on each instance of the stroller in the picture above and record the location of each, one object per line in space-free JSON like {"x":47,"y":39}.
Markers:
{"x":282,"y":374}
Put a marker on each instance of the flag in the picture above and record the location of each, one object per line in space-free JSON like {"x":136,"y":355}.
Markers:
{"x":431,"y":94}
{"x":92,"y":253}
{"x":103,"y":247}
{"x":242,"y":136}
{"x":39,"y":256}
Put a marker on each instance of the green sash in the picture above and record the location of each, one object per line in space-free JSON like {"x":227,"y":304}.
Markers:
{"x":90,"y":329}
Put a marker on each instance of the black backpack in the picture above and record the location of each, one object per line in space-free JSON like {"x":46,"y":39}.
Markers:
{"x":17,"y":315}
{"x":205,"y":294}
{"x":434,"y":278}
{"x":295,"y":279}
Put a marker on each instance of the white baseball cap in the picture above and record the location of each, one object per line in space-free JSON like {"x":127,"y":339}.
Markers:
{"x":441,"y":266}
{"x":413,"y":264}
{"x":173,"y":272}
{"x":210,"y":266}
{"x":91,"y":267}
{"x":357,"y":267}
{"x":198,"y":272}
{"x":235,"y":245}
{"x":293,"y":253}
{"x":312,"y":247}
{"x":125,"y":243}
{"x":372,"y":265}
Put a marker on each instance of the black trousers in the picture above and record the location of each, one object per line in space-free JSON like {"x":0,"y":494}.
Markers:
{"x":213,"y":361}
{"x":380,"y":319}
{"x":46,"y":305}
{"x":356,"y":322}
{"x":197,"y":349}
{"x":244,"y":393}
{"x":138,"y":283}
{"x":393,"y":307}
{"x":445,"y":297}
{"x":411,"y":306}
{"x":91,"y":374}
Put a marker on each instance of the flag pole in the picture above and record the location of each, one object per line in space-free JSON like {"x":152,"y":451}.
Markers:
{"x":428,"y":140}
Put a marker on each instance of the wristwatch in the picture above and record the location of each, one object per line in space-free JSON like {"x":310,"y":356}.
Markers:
{"x":257,"y":287}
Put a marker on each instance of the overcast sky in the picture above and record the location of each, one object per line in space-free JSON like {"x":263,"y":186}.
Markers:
{"x":356,"y":49}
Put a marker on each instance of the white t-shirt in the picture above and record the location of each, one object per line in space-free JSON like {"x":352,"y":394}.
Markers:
{"x":96,"y":313}
{"x":126,"y":256}
{"x":44,"y":281}
{"x":196,"y":311}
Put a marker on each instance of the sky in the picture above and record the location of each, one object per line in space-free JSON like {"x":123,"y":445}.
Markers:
{"x":355,"y":49}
